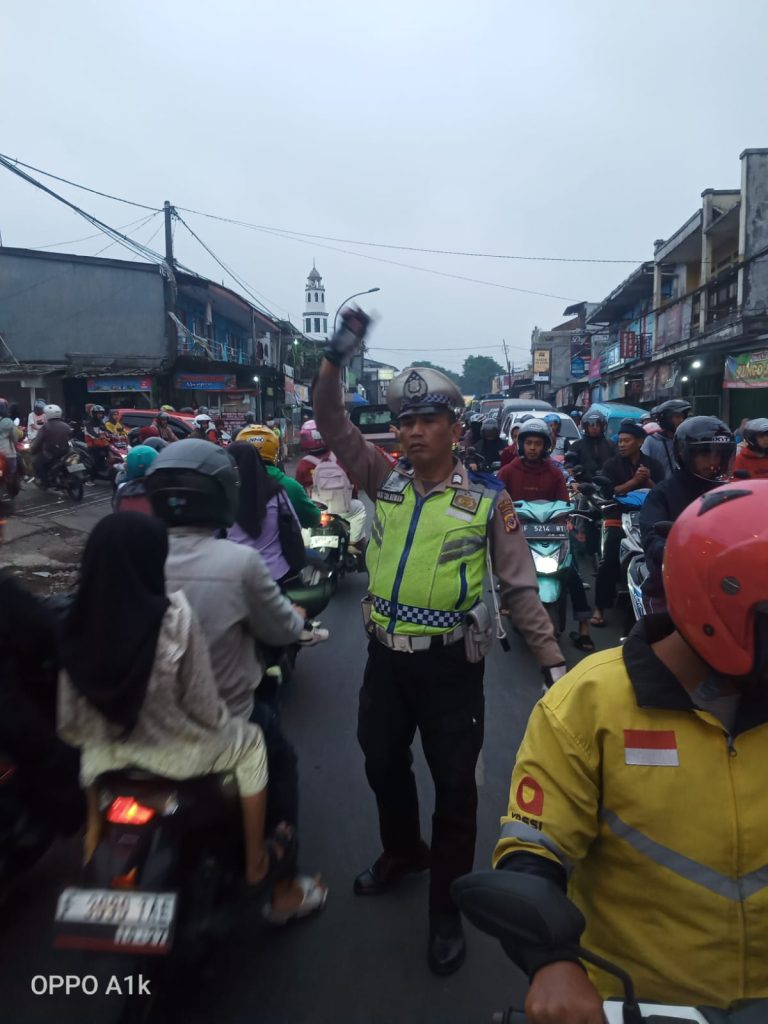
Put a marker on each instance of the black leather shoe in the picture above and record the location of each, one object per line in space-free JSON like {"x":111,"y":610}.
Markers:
{"x":447,"y":947}
{"x":389,"y":870}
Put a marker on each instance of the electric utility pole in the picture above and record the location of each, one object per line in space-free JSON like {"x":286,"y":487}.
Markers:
{"x":168,"y":211}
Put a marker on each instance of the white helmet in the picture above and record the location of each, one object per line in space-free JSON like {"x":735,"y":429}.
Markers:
{"x":53,"y":412}
{"x":202,"y":419}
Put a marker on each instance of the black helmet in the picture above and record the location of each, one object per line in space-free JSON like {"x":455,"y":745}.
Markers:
{"x":489,"y":425}
{"x":98,"y":410}
{"x":700,"y":433}
{"x":155,"y":442}
{"x":534,"y":428}
{"x":194,"y":483}
{"x":751,"y":431}
{"x":674,"y":407}
{"x":162,"y":416}
{"x":594,"y":417}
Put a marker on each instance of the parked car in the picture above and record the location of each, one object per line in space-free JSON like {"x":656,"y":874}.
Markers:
{"x":615,"y":413}
{"x":373,"y":421}
{"x":182,"y":423}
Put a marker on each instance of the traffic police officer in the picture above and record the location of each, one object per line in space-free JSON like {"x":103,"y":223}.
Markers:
{"x":427,"y":625}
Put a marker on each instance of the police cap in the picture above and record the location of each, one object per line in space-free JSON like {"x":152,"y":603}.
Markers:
{"x":422,"y":390}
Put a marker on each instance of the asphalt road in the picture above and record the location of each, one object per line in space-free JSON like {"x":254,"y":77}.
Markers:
{"x":363,"y":961}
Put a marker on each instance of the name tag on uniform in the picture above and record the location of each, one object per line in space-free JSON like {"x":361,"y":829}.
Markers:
{"x":391,"y":496}
{"x":392,"y":488}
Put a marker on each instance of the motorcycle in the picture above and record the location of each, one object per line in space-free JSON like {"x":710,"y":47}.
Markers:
{"x":631,"y":554}
{"x":166,"y":871}
{"x":328,"y":544}
{"x":546,"y":527}
{"x":67,"y":473}
{"x":525,"y":911}
{"x":104,"y":468}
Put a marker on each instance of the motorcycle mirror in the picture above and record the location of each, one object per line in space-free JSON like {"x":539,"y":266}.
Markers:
{"x":520,"y":910}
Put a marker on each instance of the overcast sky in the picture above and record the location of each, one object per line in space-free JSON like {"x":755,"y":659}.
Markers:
{"x":583,"y":129}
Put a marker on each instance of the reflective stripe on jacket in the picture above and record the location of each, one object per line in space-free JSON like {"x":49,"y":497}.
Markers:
{"x":426,"y":558}
{"x":660,"y":821}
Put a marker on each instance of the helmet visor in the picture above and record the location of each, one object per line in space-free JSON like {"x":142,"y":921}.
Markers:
{"x":712,"y":461}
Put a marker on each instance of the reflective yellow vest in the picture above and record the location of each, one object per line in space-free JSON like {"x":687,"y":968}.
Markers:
{"x":661,"y":823}
{"x":426,"y":557}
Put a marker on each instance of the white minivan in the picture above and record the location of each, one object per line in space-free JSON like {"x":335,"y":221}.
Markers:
{"x":569,"y":432}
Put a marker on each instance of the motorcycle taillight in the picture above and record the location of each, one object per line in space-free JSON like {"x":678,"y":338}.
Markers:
{"x":125,"y":810}
{"x":325,"y":519}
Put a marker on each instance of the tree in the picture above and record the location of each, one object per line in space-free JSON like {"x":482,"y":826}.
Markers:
{"x":451,"y":374}
{"x":477,"y":374}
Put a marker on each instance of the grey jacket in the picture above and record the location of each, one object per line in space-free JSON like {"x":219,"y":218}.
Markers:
{"x":658,"y":446}
{"x":238,"y":604}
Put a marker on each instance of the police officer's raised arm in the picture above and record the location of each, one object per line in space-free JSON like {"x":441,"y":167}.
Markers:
{"x":513,"y":565}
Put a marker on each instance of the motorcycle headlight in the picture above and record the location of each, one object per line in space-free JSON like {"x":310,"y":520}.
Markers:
{"x":545,"y":564}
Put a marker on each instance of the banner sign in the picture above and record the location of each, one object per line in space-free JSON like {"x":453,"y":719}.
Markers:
{"x":746,"y":370}
{"x":288,"y":385}
{"x":581,"y":352}
{"x":594,"y":369}
{"x":541,"y":357}
{"x":205,"y":381}
{"x":97,"y":384}
{"x":628,"y":341}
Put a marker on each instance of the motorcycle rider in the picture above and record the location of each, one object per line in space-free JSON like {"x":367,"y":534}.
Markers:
{"x":194,"y":489}
{"x":630,"y":470}
{"x":114,"y":427}
{"x":51,"y":442}
{"x":164,"y":428}
{"x":669,"y":415}
{"x":432,"y":517}
{"x":317,"y":451}
{"x":594,"y":449}
{"x":36,"y":419}
{"x":533,"y":477}
{"x":621,"y":766}
{"x":248,"y":421}
{"x":97,"y":437}
{"x":204,"y":429}
{"x":130,"y":489}
{"x":704,"y":451}
{"x":752,"y":453}
{"x":489,"y":447}
{"x":268,"y":446}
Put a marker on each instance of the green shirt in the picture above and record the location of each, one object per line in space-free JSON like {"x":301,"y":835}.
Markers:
{"x":308,"y":513}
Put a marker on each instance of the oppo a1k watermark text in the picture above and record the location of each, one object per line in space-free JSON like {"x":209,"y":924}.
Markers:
{"x":89,"y":985}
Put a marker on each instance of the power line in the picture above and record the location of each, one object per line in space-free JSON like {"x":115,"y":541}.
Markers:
{"x":74,"y":184}
{"x":329,"y":238}
{"x":138,"y":224}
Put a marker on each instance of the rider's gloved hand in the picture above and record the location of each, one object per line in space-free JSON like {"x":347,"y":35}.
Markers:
{"x":561,"y":992}
{"x":347,"y":340}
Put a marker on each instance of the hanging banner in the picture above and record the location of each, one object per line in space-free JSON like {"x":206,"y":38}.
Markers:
{"x":205,"y":381}
{"x":746,"y":370}
{"x":541,"y":358}
{"x":594,"y":369}
{"x":97,"y":384}
{"x":628,"y":341}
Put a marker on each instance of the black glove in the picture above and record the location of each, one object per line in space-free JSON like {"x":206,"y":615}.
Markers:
{"x":347,"y":341}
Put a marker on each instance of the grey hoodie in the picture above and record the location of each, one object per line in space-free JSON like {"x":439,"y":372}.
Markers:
{"x":660,"y":447}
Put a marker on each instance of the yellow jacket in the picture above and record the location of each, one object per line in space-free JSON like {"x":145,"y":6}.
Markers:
{"x":660,"y":819}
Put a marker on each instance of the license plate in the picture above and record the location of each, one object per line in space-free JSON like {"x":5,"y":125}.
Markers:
{"x":331,"y":541}
{"x":76,"y":467}
{"x":546,"y":531}
{"x":112,"y":919}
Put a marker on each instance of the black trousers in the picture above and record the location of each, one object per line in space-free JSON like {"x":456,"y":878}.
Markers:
{"x":439,"y":693}
{"x":283,"y":785}
{"x":610,"y":568}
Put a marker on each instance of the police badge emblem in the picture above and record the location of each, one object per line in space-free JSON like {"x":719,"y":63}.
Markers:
{"x":415,"y":386}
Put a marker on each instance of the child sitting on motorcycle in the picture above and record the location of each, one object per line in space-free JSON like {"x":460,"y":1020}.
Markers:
{"x":145,"y":696}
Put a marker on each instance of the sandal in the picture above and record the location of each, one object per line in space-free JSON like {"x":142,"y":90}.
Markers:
{"x":583,"y":643}
{"x":598,"y":623}
{"x":313,"y":900}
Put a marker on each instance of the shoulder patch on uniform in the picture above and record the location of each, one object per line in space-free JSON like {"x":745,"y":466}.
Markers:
{"x":506,"y":510}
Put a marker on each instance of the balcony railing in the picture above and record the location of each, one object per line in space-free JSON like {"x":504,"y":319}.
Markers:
{"x":205,"y":348}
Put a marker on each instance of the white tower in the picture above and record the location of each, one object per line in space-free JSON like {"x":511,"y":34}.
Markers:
{"x":315,"y":315}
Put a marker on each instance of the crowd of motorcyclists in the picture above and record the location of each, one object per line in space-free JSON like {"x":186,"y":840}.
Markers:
{"x":206,"y":539}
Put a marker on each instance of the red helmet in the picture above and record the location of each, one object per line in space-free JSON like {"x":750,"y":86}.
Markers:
{"x":715,"y":578}
{"x":145,"y":432}
{"x":310,"y":438}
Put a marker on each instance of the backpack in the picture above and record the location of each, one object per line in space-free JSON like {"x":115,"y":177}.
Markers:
{"x":331,"y":486}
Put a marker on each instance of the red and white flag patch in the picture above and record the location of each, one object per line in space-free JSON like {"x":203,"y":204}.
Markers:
{"x":651,"y":747}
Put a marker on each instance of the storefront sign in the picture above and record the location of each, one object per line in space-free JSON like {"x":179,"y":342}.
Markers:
{"x":302,"y":392}
{"x":541,"y":357}
{"x":628,"y":342}
{"x":746,"y":370}
{"x":594,"y":369}
{"x":101,"y":384}
{"x":205,"y":381}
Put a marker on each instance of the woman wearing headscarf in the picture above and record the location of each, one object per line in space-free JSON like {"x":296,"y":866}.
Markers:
{"x":136,"y":688}
{"x":262,"y":499}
